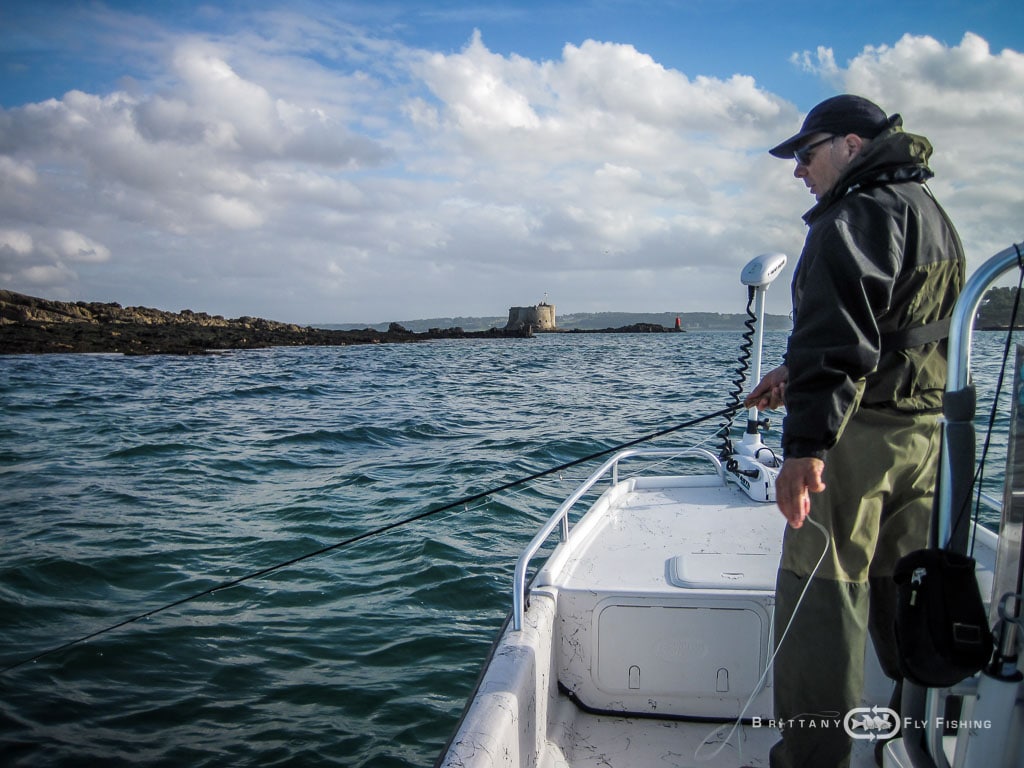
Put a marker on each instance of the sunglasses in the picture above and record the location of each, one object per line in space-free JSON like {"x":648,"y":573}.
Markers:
{"x":804,"y":154}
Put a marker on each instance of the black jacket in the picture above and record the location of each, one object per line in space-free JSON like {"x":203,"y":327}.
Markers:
{"x":881,"y":257}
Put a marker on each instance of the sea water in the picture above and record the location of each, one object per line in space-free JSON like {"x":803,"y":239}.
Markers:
{"x":130,"y":484}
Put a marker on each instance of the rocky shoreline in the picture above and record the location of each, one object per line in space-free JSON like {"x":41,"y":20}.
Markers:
{"x":30,"y":325}
{"x":634,"y":328}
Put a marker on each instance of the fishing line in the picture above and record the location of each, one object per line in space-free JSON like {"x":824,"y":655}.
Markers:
{"x":557,"y":484}
{"x":367,"y":535}
{"x":771,"y":661}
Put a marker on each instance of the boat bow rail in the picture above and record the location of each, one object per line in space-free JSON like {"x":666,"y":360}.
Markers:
{"x":560,"y":518}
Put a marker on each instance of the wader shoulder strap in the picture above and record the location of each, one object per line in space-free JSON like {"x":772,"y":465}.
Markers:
{"x":905,"y":338}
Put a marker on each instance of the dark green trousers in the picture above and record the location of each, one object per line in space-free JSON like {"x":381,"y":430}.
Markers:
{"x":877,"y":506}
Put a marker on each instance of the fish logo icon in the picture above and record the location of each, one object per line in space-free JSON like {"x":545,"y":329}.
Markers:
{"x":871,"y":723}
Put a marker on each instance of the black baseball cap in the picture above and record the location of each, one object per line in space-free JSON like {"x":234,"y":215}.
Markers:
{"x":840,"y":115}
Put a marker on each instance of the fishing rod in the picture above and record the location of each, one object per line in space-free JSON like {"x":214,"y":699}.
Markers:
{"x":368,"y":535}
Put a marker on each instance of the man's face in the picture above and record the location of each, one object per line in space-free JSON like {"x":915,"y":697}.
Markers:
{"x":821,"y":159}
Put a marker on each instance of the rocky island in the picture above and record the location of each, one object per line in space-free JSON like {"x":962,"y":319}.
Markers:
{"x":31,"y":325}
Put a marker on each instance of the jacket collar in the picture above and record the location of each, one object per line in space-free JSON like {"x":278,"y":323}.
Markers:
{"x":893,"y":157}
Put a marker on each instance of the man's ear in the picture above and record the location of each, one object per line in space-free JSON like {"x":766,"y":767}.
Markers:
{"x":852,"y":145}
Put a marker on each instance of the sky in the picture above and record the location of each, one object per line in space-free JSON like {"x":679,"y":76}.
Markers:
{"x":325,"y":162}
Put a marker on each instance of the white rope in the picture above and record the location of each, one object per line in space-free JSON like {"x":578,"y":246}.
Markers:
{"x":768,"y":667}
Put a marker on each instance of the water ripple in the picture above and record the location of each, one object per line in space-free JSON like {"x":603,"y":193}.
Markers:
{"x":130,"y":483}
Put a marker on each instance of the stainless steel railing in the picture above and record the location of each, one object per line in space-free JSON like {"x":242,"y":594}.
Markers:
{"x":560,"y":518}
{"x":957,"y":468}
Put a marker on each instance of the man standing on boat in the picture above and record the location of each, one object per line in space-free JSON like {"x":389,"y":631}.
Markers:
{"x":862,"y":383}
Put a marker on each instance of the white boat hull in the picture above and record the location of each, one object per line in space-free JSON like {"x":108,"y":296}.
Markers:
{"x":652,"y":620}
{"x":648,"y":628}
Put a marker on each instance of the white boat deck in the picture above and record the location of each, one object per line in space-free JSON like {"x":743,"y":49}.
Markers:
{"x":660,"y":537}
{"x":599,"y":741}
{"x":645,"y":630}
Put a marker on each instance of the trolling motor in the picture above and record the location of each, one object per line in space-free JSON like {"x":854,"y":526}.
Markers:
{"x":751,"y":464}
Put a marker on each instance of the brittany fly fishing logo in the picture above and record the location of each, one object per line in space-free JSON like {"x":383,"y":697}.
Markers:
{"x":872,"y":723}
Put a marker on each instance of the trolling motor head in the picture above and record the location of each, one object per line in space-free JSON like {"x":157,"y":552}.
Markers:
{"x":762,"y":270}
{"x":750,"y":464}
{"x":759,"y":273}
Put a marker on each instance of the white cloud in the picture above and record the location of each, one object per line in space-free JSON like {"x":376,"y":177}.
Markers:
{"x":15,"y":242}
{"x":822,"y":62}
{"x":17,"y":173}
{"x":230,"y":212}
{"x":43,"y":258}
{"x":318,"y":174}
{"x":74,"y":246}
{"x":482,"y":90}
{"x":51,"y":276}
{"x":970,"y":103}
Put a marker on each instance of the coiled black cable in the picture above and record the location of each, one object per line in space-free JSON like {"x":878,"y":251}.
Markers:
{"x":743,"y":365}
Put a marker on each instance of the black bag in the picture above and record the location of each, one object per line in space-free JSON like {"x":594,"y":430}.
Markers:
{"x":941,"y":627}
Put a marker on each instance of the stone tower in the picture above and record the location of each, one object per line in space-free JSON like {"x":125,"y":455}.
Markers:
{"x":540,"y":317}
